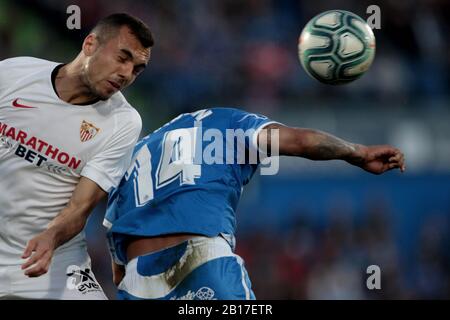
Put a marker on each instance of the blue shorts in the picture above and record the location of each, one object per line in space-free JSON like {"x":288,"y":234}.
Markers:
{"x":198,"y":269}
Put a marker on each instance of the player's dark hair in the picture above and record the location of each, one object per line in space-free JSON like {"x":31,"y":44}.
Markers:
{"x":107,"y":27}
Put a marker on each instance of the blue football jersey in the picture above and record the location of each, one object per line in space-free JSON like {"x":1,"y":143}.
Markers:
{"x":186,"y":177}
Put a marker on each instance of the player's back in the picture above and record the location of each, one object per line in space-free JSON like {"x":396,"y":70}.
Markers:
{"x":187,"y":176}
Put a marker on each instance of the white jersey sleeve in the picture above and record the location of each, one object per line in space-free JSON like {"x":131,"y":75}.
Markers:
{"x":107,"y":167}
{"x":13,"y":69}
{"x":3,"y":73}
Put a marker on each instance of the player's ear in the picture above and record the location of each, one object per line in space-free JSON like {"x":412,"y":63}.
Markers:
{"x":90,"y":44}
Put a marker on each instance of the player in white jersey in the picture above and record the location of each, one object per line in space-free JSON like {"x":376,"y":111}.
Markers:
{"x":66,"y":138}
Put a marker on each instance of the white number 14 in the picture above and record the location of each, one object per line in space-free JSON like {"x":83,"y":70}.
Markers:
{"x":177,"y":161}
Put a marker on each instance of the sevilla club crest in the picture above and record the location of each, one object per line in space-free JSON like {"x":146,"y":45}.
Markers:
{"x":88,"y":131}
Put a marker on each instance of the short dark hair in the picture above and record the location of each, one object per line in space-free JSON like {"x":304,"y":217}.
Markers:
{"x":107,"y":27}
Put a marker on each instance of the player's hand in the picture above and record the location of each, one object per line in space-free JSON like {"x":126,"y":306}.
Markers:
{"x":379,"y":159}
{"x":39,"y":252}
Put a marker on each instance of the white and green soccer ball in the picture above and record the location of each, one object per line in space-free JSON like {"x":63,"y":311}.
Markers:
{"x":336,"y":47}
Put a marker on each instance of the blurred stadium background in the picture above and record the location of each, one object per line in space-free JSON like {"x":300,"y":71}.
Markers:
{"x":311,"y":231}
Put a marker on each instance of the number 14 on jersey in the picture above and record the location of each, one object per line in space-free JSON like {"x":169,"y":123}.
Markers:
{"x":176,"y":162}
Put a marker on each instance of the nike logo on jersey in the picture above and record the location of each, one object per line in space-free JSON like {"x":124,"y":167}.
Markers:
{"x":16,"y":104}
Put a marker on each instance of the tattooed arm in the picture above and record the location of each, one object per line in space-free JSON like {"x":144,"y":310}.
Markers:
{"x":319,"y":145}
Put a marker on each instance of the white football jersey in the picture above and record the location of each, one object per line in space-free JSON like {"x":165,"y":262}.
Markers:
{"x":46,"y":145}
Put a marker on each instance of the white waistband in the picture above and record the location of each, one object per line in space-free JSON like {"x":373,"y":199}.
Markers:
{"x":199,"y":251}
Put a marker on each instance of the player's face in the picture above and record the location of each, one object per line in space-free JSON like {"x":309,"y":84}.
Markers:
{"x":115,"y":64}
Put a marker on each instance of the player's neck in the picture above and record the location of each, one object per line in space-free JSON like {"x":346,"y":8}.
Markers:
{"x":70,"y":85}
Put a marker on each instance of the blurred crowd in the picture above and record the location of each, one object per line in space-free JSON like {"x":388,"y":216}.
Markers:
{"x":244,"y":53}
{"x":330,"y":261}
{"x":307,"y":258}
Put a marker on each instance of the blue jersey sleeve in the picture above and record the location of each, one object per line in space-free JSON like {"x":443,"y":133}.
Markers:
{"x":250,"y":121}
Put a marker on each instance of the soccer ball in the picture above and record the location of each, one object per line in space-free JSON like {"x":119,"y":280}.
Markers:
{"x":336,"y":47}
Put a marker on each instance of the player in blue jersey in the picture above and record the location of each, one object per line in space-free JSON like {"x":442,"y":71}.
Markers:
{"x":172,"y":219}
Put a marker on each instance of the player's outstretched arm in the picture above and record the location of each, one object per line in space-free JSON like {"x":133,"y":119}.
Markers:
{"x":67,"y":224}
{"x":318,"y":145}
